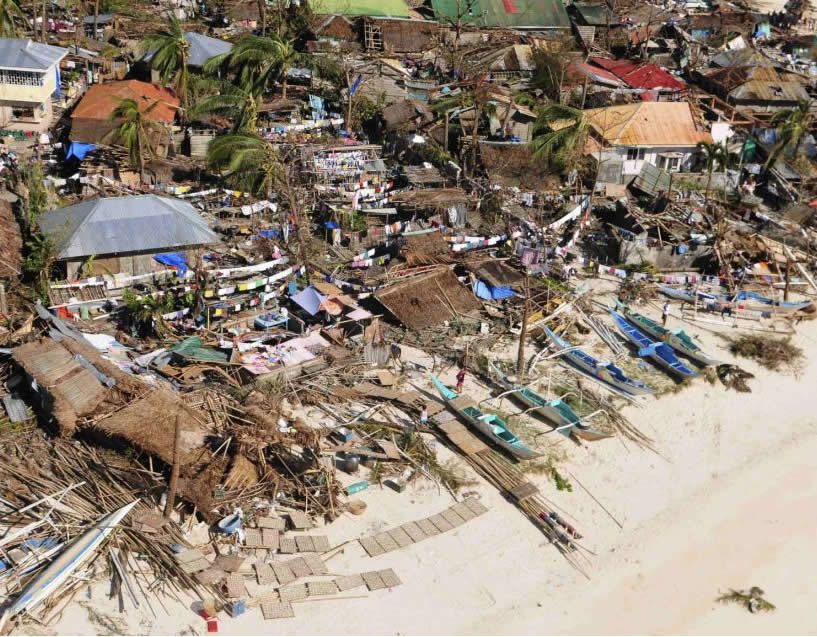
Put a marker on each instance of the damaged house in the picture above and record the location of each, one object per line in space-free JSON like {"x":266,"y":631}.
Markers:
{"x":121,"y":235}
{"x":757,"y":89}
{"x":663,"y":134}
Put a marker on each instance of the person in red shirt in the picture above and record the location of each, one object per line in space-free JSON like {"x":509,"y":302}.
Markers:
{"x":460,"y":379}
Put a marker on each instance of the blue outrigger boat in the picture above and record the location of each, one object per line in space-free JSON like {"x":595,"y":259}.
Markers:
{"x":678,"y":340}
{"x":488,"y":424}
{"x":660,"y":353}
{"x":749,"y":301}
{"x":605,"y":373}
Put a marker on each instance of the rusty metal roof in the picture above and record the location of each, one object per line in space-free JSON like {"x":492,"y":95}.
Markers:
{"x":647,"y":124}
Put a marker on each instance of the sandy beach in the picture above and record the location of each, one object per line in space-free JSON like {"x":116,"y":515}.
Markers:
{"x":729,"y":501}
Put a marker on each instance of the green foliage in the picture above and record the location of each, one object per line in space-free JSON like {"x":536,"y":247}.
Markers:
{"x":37,"y":201}
{"x":752,"y":600}
{"x":561,"y":483}
{"x":133,"y":130}
{"x":366,"y":110}
{"x":9,"y":10}
{"x":559,"y":136}
{"x":357,"y":222}
{"x":170,"y":53}
{"x":248,"y":161}
{"x":37,"y":263}
{"x":548,"y":73}
{"x":792,"y":126}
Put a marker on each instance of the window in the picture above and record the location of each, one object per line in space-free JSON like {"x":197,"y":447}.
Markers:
{"x":22,"y":78}
{"x":634,"y":154}
{"x":672,"y":164}
{"x":22,"y":113}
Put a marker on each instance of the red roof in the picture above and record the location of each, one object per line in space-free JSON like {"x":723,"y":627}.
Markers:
{"x":101,"y":100}
{"x":635,"y":75}
{"x":594,"y":73}
{"x":650,"y":76}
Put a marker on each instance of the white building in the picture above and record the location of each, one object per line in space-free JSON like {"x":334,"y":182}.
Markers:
{"x":663,"y":134}
{"x":28,"y":79}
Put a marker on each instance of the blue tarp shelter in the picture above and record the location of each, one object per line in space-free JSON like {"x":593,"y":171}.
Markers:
{"x":490,"y":293}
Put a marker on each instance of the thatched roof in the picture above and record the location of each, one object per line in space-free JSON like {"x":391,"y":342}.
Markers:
{"x":512,"y":165}
{"x":432,"y":198}
{"x":425,"y":249}
{"x":409,"y":115}
{"x":11,"y":250}
{"x":150,"y":424}
{"x":497,"y":274}
{"x":427,"y":300}
{"x":68,"y":385}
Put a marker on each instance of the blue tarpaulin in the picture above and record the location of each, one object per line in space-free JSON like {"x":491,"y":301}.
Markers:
{"x":79,"y":150}
{"x":332,"y":225}
{"x":176,"y":260}
{"x":490,"y":293}
{"x":310,"y":300}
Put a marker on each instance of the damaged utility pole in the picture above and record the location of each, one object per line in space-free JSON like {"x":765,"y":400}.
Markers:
{"x":174,"y":471}
{"x":520,"y":360}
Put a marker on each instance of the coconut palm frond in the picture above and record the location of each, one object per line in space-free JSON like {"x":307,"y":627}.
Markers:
{"x":9,"y":10}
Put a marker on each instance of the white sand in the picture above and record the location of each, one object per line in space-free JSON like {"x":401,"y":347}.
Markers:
{"x":731,"y":502}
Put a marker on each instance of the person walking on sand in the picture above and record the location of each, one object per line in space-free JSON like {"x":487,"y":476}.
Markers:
{"x":664,"y":314}
{"x":396,"y":355}
{"x":460,"y":379}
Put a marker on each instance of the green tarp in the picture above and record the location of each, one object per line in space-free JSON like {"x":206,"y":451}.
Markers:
{"x":505,"y":13}
{"x":392,"y":8}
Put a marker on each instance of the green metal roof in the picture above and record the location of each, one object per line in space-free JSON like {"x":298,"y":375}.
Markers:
{"x":193,"y":349}
{"x":392,"y":8}
{"x":595,"y":14}
{"x":506,"y":13}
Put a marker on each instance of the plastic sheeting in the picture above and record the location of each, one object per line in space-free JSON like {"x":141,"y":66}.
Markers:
{"x":489,"y":293}
{"x":309,"y":300}
{"x":177,"y":260}
{"x":79,"y":150}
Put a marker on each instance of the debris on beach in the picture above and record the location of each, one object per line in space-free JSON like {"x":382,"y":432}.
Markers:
{"x":267,"y":267}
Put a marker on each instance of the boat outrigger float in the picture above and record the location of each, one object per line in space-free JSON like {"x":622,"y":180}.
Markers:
{"x":556,"y":411}
{"x":660,"y":353}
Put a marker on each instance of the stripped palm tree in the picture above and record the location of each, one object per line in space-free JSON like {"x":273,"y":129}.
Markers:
{"x":247,"y":161}
{"x":133,"y":131}
{"x":170,"y":52}
{"x":9,"y":10}
{"x":239,"y":103}
{"x":792,"y":126}
{"x":714,"y":155}
{"x":560,"y":134}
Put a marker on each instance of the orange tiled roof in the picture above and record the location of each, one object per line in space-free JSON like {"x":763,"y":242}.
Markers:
{"x":101,"y":99}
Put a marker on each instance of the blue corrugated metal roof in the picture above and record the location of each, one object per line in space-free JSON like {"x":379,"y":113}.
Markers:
{"x":118,"y":225}
{"x":27,"y":55}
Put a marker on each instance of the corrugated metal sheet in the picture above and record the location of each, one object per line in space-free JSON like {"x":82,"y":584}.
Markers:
{"x":647,"y":124}
{"x":202,"y":48}
{"x":770,"y":91}
{"x":505,"y":13}
{"x":16,"y":409}
{"x":121,"y":225}
{"x":26,"y":55}
{"x":652,"y":180}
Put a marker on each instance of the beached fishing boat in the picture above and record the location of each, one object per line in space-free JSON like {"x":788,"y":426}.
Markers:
{"x":556,"y":411}
{"x":605,"y":373}
{"x":488,"y":424}
{"x":74,"y":556}
{"x":747,"y":301}
{"x":660,"y":353}
{"x":678,"y":340}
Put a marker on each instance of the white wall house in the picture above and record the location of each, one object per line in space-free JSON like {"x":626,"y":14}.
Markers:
{"x":663,"y":134}
{"x":28,"y":79}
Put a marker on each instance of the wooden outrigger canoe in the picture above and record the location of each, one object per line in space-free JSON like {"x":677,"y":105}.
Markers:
{"x":489,"y":425}
{"x":556,"y":411}
{"x":605,"y":373}
{"x":660,"y":353}
{"x":678,"y":340}
{"x":75,"y":555}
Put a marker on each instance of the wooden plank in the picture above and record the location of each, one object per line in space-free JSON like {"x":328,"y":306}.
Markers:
{"x":315,"y":589}
{"x":389,"y":448}
{"x":270,"y":539}
{"x":283,"y":573}
{"x":524,"y":490}
{"x":427,"y":527}
{"x":320,"y":543}
{"x":300,"y":520}
{"x":386,"y":378}
{"x":441,"y":523}
{"x":195,"y":566}
{"x":371,"y":546}
{"x":348,"y":582}
{"x":265,"y":575}
{"x":476,"y":506}
{"x":386,"y":541}
{"x":373,"y":580}
{"x":299,"y":567}
{"x":304,"y":544}
{"x":389,"y":578}
{"x":463,"y":511}
{"x":414,"y":531}
{"x":287,"y":545}
{"x":400,"y":537}
{"x":293,"y":592}
{"x":252,"y":538}
{"x":278,"y":524}
{"x":277,"y":610}
{"x":235,"y":586}
{"x":316,"y":565}
{"x":452,"y":518}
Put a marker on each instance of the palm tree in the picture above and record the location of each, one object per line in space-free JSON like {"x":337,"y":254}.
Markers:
{"x":170,"y":54}
{"x":133,"y":131}
{"x":9,"y":9}
{"x":560,"y":134}
{"x":792,"y":125}
{"x":241,"y":103}
{"x":715,"y":155}
{"x":246,"y":160}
